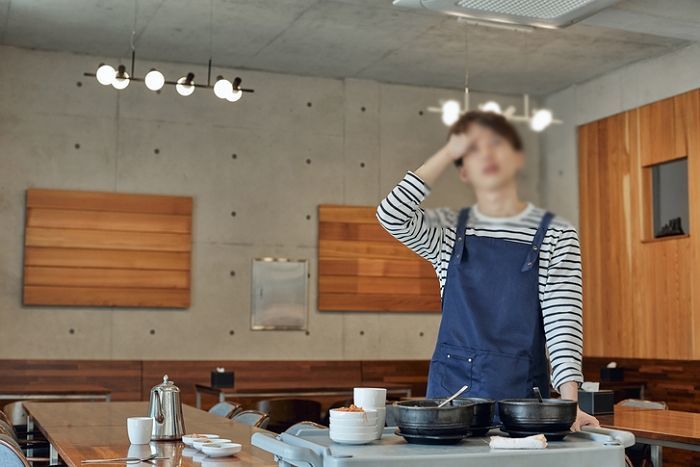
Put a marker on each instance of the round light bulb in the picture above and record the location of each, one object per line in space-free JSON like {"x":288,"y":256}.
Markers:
{"x":183,"y":87}
{"x":105,"y":75}
{"x":223,"y":88}
{"x":234,"y":95}
{"x":450,"y":112}
{"x":121,"y":81}
{"x":541,"y":119}
{"x":154,"y":80}
{"x":491,"y":106}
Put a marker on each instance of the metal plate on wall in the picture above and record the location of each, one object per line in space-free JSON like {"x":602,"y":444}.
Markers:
{"x":279,"y":294}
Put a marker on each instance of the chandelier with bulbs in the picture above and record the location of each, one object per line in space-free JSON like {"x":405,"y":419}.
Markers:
{"x":154,"y":80}
{"x":537,"y":119}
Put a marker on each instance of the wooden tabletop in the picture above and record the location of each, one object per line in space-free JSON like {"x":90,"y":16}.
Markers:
{"x":93,"y":430}
{"x":55,"y":389}
{"x":662,"y":425}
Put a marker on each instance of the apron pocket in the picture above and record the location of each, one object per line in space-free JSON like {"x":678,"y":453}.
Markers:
{"x":456,"y":364}
{"x":504,"y":376}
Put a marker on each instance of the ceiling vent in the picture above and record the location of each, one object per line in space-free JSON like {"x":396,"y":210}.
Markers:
{"x":536,"y":13}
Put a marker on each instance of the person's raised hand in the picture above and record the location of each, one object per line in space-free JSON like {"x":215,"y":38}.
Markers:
{"x":457,"y":146}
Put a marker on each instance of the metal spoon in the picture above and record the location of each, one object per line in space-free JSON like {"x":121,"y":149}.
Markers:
{"x":453,"y":396}
{"x":537,"y":392}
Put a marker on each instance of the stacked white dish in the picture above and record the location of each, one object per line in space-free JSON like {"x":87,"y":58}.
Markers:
{"x":353,"y":427}
{"x":375,"y":399}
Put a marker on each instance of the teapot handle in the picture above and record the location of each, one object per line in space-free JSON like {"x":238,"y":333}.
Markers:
{"x":159,"y":409}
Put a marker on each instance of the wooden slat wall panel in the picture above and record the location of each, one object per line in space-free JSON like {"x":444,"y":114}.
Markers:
{"x":254,"y":374}
{"x":638,"y":299}
{"x":363,"y":268}
{"x":121,"y":377}
{"x":107,"y":249}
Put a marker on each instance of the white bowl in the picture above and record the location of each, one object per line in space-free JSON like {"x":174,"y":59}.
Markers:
{"x":354,"y":422}
{"x":353,"y":432}
{"x":353,"y":439}
{"x":339,"y":414}
{"x":222,"y":450}
{"x":199,"y":443}
{"x":187,"y":439}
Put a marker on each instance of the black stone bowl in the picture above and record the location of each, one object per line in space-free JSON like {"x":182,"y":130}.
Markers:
{"x":484,"y":410}
{"x":531,"y":415}
{"x":423,"y":417}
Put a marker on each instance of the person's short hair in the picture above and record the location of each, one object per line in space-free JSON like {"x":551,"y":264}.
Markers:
{"x":496,"y":122}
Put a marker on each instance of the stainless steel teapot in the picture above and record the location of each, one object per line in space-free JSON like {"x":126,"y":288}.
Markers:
{"x":166,"y":409}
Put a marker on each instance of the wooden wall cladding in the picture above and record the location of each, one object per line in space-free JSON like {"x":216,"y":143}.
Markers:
{"x":638,"y":300}
{"x":107,"y":249}
{"x":121,"y":377}
{"x":363,"y":268}
{"x":253,"y":374}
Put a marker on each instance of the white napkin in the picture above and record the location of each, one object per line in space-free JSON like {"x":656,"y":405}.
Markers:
{"x":531,"y":442}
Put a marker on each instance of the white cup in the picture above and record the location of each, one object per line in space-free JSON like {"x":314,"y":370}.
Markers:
{"x":139,"y":429}
{"x":369,"y":398}
{"x":372,"y":398}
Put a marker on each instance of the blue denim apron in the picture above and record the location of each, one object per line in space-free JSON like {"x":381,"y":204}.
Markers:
{"x":491,"y":335}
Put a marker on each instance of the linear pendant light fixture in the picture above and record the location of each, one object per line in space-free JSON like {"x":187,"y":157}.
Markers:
{"x":155,"y":81}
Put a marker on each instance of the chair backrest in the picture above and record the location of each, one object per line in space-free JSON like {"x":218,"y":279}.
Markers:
{"x":10,"y":453}
{"x":225,"y":409}
{"x":286,"y":412}
{"x":643,"y":404}
{"x":4,"y":417}
{"x":15,"y":412}
{"x":8,"y":430}
{"x":252,"y":418}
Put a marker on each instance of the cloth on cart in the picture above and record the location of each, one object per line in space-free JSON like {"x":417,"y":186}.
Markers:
{"x":530,"y":442}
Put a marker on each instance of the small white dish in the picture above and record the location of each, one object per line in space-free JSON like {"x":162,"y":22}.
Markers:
{"x":222,"y":450}
{"x":187,"y":439}
{"x":354,"y":423}
{"x":343,"y":415}
{"x":199,"y":443}
{"x":361,"y":430}
{"x":353,"y":439}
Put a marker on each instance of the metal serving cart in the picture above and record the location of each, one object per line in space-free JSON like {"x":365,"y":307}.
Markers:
{"x":312,"y":447}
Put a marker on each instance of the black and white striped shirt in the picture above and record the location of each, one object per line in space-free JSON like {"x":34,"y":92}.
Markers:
{"x":431,"y":234}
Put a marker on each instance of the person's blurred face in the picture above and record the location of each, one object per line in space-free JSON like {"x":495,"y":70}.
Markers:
{"x":490,"y":162}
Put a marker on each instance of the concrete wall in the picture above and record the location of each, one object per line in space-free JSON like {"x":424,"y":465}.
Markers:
{"x":624,"y":89}
{"x":360,"y":137}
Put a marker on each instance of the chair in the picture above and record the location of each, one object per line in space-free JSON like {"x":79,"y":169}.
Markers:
{"x":15,"y":412}
{"x":286,"y":412}
{"x":10,"y":453}
{"x":252,"y":418}
{"x":39,"y":446}
{"x":225,"y":409}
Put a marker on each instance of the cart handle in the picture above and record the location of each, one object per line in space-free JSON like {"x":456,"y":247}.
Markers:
{"x":295,"y":455}
{"x":619,"y":437}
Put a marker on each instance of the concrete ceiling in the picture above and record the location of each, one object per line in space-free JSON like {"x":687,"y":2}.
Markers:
{"x":367,"y":39}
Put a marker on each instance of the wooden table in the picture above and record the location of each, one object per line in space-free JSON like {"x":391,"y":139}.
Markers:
{"x":397,"y":390}
{"x":657,"y":428}
{"x":55,"y":392}
{"x":93,"y":430}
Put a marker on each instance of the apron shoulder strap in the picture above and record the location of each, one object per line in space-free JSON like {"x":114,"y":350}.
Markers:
{"x":534,"y":252}
{"x":459,"y":247}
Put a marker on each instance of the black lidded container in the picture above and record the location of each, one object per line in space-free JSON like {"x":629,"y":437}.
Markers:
{"x":223,"y":379}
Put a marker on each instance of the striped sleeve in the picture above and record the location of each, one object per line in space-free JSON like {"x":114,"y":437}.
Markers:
{"x":401,"y":215}
{"x":562,"y":309}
